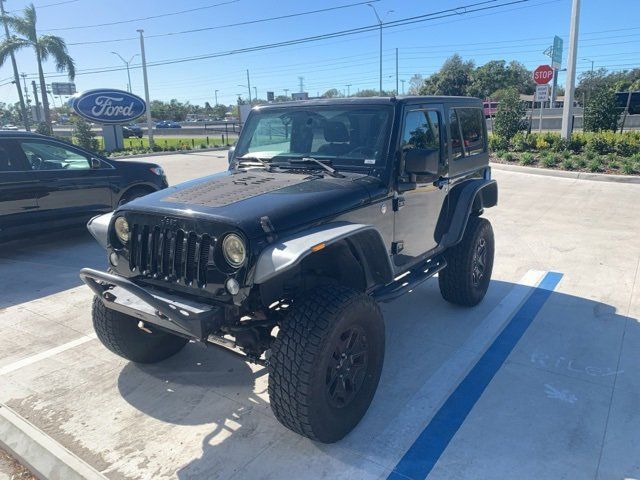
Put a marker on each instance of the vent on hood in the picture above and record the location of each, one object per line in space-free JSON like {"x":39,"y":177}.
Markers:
{"x":227,"y":189}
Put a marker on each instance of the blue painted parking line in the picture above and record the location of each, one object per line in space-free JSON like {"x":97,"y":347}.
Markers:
{"x":422,"y":456}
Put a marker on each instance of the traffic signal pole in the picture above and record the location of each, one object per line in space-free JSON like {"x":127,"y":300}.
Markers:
{"x":567,"y":111}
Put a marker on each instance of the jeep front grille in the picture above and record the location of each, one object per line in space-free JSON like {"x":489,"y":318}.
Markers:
{"x":168,"y":254}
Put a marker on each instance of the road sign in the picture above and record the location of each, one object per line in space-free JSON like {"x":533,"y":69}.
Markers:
{"x":556,"y":53}
{"x":63,"y":88}
{"x":542,"y":93}
{"x":543,"y":74}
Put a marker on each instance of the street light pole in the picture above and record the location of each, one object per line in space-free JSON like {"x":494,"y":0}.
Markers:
{"x":255,"y":91}
{"x":380,"y":23}
{"x":216,"y":94}
{"x":348,"y":89}
{"x":16,"y":75}
{"x":402,"y":81}
{"x":567,"y":111}
{"x":146,"y":88}
{"x":127,"y":65}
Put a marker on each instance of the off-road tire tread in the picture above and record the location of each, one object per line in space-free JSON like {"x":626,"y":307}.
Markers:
{"x":454,"y":281}
{"x":300,"y":339}
{"x":120,"y":334}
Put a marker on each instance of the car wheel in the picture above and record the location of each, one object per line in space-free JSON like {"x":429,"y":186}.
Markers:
{"x":326,"y":362}
{"x":134,"y":193}
{"x":466,"y":278}
{"x":120,"y":334}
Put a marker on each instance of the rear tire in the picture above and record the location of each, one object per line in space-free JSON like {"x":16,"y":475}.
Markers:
{"x":326,"y":362}
{"x":466,"y":278}
{"x":120,"y":334}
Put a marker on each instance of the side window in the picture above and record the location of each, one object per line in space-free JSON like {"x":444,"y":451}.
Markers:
{"x":49,"y":156}
{"x":421,"y":130}
{"x":9,"y":161}
{"x":456,"y":142}
{"x":472,"y":132}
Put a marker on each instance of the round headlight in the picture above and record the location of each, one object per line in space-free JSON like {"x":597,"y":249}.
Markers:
{"x":122,"y":229}
{"x":234,"y":250}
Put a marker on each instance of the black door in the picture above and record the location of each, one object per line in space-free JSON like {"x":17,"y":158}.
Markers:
{"x":18,"y":188}
{"x":71,"y":187}
{"x":420,"y":198}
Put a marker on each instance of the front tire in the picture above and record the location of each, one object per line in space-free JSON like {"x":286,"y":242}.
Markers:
{"x":120,"y":334}
{"x":466,"y":278}
{"x":326,"y":362}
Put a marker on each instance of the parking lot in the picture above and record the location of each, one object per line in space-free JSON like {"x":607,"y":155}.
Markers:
{"x":540,"y":381}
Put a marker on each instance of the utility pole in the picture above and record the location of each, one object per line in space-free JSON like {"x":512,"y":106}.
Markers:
{"x":26,"y":90}
{"x":249,"y":86}
{"x":286,"y":92}
{"x":255,"y":92}
{"x":380,"y":23}
{"x":127,"y":65}
{"x":301,"y":83}
{"x":16,"y":76}
{"x":348,"y":89}
{"x":567,"y":111}
{"x":146,"y":88}
{"x":35,"y":96}
{"x":403,"y":85}
{"x":397,"y":91}
{"x":216,"y":94}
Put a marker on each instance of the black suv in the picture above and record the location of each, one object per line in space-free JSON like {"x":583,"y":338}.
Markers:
{"x":45,"y":182}
{"x":329,"y":207}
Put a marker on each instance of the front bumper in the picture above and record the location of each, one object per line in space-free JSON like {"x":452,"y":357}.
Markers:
{"x":180,"y":315}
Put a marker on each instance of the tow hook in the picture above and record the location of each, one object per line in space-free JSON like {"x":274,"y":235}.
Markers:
{"x":142,"y":327}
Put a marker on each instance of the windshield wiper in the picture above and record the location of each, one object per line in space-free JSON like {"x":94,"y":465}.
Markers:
{"x":252,"y":161}
{"x":332,"y":171}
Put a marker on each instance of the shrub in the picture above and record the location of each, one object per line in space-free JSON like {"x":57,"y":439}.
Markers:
{"x":549,"y":161}
{"x":566,"y":154}
{"x":625,"y":147}
{"x":628,"y":168}
{"x":203,"y":145}
{"x":521,"y":142}
{"x":581,"y":162}
{"x":509,"y":157}
{"x":84,"y":137}
{"x":601,"y":111}
{"x":594,"y":165}
{"x":567,"y":164}
{"x":510,"y":115}
{"x":44,"y":129}
{"x":601,"y":144}
{"x":498,"y":143}
{"x":527,"y":158}
{"x":542,"y":144}
{"x":576,"y":143}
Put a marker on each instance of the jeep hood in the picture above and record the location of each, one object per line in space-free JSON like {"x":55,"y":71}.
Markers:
{"x":241,"y":198}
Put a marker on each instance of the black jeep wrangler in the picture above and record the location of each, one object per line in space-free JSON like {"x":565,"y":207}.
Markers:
{"x":328,"y":207}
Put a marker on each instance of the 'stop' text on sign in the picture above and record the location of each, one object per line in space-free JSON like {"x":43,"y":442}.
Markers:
{"x":543,"y":74}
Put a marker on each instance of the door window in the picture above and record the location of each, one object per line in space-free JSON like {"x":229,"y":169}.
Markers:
{"x":9,"y":161}
{"x":50,"y":156}
{"x":421,"y":130}
{"x":467,"y":132}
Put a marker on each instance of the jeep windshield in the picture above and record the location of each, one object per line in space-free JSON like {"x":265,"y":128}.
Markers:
{"x":346,"y":135}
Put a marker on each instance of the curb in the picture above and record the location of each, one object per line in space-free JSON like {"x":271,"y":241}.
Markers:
{"x":598,"y":177}
{"x":159,"y":154}
{"x":45,"y":457}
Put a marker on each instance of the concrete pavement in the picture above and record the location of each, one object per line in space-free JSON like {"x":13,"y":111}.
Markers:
{"x":563,"y":403}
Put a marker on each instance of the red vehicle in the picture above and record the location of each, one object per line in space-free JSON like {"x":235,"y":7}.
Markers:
{"x":490,"y":108}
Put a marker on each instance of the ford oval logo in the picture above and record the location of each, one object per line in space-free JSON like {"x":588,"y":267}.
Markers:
{"x":108,"y":106}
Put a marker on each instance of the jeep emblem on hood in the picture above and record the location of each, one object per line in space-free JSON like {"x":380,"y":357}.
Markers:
{"x":108,"y":106}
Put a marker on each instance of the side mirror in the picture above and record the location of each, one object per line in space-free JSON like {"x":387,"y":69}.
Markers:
{"x":230,"y":153}
{"x":95,"y":162}
{"x":422,"y":162}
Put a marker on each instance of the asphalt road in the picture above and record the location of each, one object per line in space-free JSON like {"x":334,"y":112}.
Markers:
{"x":540,"y":381}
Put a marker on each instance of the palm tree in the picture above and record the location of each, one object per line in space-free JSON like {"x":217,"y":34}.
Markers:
{"x":45,"y":46}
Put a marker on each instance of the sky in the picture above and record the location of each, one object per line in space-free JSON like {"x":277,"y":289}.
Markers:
{"x":609,"y":35}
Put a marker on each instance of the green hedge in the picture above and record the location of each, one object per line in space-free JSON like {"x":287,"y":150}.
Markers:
{"x":625,"y":144}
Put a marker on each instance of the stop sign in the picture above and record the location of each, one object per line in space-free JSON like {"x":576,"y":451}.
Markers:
{"x":543,"y":74}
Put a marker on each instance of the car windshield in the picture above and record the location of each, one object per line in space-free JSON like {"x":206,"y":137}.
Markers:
{"x":352,"y":136}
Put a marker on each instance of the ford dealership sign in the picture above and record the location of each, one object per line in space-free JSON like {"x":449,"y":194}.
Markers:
{"x":108,"y":106}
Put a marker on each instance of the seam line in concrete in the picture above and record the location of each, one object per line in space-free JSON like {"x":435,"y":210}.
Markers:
{"x":40,"y":453}
{"x":12,"y":367}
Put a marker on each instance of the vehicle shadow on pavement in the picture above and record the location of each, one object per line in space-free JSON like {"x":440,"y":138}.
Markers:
{"x":38,"y":266}
{"x":571,"y":348}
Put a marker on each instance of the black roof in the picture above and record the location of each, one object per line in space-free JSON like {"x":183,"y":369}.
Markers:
{"x":20,"y":133}
{"x":372,"y":101}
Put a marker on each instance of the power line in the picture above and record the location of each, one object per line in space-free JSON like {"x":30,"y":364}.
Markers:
{"x":152,"y":17}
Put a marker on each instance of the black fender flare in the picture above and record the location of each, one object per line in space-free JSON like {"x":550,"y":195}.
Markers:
{"x":465,"y":199}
